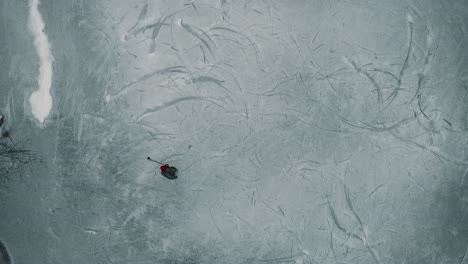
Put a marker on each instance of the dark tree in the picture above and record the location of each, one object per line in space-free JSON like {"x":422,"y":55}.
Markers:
{"x":14,"y":156}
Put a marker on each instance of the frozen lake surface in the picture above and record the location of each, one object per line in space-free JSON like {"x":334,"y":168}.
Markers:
{"x":304,"y":131}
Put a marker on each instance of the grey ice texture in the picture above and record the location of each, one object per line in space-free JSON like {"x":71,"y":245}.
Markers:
{"x":318,"y":131}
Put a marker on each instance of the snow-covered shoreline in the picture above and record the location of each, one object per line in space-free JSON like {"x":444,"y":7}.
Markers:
{"x":41,"y":100}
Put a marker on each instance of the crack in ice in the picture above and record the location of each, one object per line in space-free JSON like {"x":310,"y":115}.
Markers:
{"x":41,"y":100}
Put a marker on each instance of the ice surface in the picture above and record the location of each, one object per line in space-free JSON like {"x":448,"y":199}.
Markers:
{"x":304,"y":131}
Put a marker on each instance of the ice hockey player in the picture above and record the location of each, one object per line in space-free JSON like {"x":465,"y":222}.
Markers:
{"x":5,"y":257}
{"x":167,"y":171}
{"x":3,"y":133}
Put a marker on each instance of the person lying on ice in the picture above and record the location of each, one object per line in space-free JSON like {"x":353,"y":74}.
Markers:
{"x":167,"y":171}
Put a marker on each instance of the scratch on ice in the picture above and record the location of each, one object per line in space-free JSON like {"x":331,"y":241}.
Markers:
{"x":41,"y":100}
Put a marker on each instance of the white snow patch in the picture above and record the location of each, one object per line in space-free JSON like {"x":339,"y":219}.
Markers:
{"x":41,"y":100}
